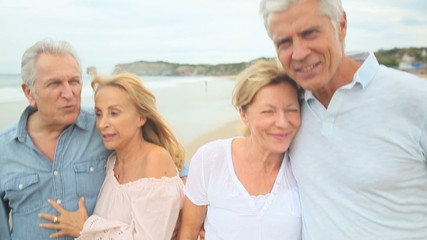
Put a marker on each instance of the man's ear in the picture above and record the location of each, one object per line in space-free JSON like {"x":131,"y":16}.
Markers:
{"x":29,"y":94}
{"x":342,"y":31}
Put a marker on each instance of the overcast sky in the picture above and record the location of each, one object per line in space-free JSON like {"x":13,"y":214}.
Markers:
{"x":109,"y":32}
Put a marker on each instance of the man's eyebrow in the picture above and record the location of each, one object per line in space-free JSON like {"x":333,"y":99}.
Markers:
{"x":51,"y":80}
{"x":282,"y":41}
{"x":309,"y":29}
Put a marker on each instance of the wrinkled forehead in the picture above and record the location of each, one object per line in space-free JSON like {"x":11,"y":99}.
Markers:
{"x":56,"y":66}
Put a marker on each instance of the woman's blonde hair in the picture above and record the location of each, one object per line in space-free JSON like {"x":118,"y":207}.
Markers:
{"x":155,"y":130}
{"x":251,"y":80}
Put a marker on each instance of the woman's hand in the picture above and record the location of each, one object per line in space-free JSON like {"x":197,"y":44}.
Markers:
{"x":67,"y":223}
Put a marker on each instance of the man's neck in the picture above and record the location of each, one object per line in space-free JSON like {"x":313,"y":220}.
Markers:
{"x":343,"y":76}
{"x":44,"y":135}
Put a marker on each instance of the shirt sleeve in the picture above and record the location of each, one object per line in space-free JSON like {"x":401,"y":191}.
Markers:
{"x":154,"y":215}
{"x":184,"y":170}
{"x":423,"y":139}
{"x":196,"y":185}
{"x":4,"y":218}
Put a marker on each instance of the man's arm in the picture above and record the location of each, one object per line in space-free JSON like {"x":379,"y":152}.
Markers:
{"x":423,"y":139}
{"x":4,"y":218}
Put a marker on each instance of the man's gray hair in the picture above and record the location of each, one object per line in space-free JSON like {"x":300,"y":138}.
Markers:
{"x":48,"y":46}
{"x":330,"y":8}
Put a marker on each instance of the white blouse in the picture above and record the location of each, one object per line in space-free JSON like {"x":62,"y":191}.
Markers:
{"x":232,"y":213}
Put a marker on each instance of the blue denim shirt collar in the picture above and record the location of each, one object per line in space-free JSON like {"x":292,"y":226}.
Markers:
{"x":21,"y":131}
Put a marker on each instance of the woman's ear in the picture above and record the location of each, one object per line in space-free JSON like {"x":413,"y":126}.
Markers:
{"x":243,"y":116}
{"x":142,"y":120}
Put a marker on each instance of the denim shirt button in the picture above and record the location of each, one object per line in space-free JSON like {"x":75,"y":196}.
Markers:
{"x":91,"y":169}
{"x":55,"y":173}
{"x":58,"y":201}
{"x":20,"y":186}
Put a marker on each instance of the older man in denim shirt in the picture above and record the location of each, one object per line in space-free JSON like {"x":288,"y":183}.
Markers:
{"x":54,"y":151}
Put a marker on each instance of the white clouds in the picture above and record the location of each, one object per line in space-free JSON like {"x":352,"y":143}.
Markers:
{"x":192,"y":31}
{"x":385,"y":24}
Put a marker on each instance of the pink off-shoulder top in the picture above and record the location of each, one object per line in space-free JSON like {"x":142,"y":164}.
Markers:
{"x":145,"y":209}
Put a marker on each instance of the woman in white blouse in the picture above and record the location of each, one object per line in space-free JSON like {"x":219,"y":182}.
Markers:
{"x":243,"y":187}
{"x":141,"y":196}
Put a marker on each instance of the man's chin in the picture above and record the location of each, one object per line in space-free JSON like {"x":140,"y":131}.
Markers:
{"x":310,"y":84}
{"x":70,"y":118}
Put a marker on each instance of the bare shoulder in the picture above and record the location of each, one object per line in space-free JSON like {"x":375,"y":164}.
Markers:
{"x":159,"y":163}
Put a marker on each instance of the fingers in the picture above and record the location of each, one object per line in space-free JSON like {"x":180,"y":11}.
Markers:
{"x":82,"y":208}
{"x":57,"y":234}
{"x":60,"y":228}
{"x":52,"y":226}
{"x":82,"y":203}
{"x":54,"y":219}
{"x":48,"y":217}
{"x":56,"y":206}
{"x":68,"y":223}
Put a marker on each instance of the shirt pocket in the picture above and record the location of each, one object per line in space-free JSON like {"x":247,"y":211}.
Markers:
{"x":23,"y":193}
{"x":89,"y":177}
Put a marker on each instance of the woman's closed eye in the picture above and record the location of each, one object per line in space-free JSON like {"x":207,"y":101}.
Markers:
{"x":267,"y":111}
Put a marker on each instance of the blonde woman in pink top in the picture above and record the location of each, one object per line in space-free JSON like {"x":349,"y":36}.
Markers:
{"x":142,"y":195}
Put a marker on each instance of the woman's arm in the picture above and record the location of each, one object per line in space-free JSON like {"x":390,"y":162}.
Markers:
{"x":153,"y":216}
{"x":193,"y":217}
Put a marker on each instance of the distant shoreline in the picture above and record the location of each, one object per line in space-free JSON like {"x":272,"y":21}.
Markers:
{"x":422,"y":75}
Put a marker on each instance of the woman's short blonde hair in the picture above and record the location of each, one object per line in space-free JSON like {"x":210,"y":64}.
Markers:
{"x":251,"y":80}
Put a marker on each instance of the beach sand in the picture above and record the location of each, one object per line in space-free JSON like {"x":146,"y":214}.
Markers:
{"x":199,"y":115}
{"x":197,"y":111}
{"x":227,"y":130}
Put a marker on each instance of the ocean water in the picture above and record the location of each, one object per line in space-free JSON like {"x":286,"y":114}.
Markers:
{"x":10,"y":85}
{"x":9,"y":80}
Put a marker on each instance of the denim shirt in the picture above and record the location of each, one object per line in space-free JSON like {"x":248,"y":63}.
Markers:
{"x":28,"y":179}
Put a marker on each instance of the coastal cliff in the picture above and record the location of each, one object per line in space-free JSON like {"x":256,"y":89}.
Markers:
{"x":160,"y":68}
